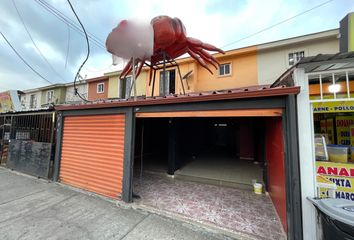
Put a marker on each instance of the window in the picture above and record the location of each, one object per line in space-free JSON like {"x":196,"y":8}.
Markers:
{"x":168,"y":85}
{"x":294,"y":57}
{"x":125,"y":87}
{"x":50,"y":96}
{"x":100,"y":88}
{"x":33,"y":101}
{"x":224,"y":69}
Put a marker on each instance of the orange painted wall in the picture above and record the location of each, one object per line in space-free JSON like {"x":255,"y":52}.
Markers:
{"x":92,"y":90}
{"x":243,"y":73}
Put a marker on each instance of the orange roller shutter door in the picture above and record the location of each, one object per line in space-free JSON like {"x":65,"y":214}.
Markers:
{"x":93,"y":152}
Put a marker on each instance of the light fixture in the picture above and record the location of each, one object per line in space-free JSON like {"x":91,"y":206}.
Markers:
{"x":334,"y":88}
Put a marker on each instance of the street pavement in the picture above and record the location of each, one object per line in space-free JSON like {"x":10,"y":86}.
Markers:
{"x":33,"y":208}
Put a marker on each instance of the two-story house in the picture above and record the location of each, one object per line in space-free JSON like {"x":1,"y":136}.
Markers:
{"x":97,"y":88}
{"x":248,"y":66}
{"x":43,"y":97}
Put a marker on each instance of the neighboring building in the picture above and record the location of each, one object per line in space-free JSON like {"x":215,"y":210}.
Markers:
{"x":53,"y":94}
{"x":9,"y":101}
{"x":31,"y":99}
{"x":82,"y":89}
{"x":98,"y":88}
{"x":40,"y":98}
{"x":276,"y":57}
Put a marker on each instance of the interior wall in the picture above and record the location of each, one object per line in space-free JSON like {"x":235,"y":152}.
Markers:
{"x":247,"y":140}
{"x":276,"y":169}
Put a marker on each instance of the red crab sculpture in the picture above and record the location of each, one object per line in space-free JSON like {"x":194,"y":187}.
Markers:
{"x":170,"y":40}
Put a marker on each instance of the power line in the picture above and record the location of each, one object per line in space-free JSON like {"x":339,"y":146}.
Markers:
{"x":65,"y":20}
{"x":67,"y":48}
{"x":62,"y":17}
{"x":23,"y":60}
{"x":91,"y":35}
{"x":34,"y":43}
{"x":276,"y":24}
{"x":87,"y":55}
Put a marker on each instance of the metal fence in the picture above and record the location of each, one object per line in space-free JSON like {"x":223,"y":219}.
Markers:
{"x":27,"y":142}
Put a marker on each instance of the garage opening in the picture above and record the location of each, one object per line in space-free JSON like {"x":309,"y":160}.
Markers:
{"x":204,"y":168}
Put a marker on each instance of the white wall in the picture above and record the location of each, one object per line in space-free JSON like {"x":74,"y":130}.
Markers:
{"x":25,"y":100}
{"x":306,"y":155}
{"x":273,"y":62}
{"x":70,"y":93}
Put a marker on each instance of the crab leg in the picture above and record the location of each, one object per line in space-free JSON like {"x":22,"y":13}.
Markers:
{"x":126,"y":70}
{"x":205,"y":56}
{"x":197,"y":43}
{"x":199,"y":60}
{"x":210,"y":57}
{"x":140,"y":66}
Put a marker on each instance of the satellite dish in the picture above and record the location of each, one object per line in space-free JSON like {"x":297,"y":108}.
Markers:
{"x":187,"y":75}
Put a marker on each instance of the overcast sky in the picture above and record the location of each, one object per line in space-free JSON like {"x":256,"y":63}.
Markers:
{"x":218,"y":22}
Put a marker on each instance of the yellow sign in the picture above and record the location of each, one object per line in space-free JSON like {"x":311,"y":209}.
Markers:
{"x":331,"y":107}
{"x":341,"y":174}
{"x":5,"y":102}
{"x":343,"y":124}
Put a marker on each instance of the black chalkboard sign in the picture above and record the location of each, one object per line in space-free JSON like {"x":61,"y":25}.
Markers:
{"x":29,"y":157}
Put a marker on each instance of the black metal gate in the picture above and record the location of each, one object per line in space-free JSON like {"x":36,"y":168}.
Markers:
{"x":28,"y":142}
{"x":5,"y":129}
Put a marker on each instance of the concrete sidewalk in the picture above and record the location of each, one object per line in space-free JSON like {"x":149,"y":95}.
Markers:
{"x":35,"y":209}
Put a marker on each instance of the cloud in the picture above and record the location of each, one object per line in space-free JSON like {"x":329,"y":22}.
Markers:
{"x":212,"y":21}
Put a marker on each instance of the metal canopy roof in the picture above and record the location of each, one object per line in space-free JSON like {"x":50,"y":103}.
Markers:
{"x":239,"y":93}
{"x":327,"y":62}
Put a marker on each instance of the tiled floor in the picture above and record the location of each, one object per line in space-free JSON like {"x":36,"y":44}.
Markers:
{"x":236,"y":210}
{"x":222,"y":170}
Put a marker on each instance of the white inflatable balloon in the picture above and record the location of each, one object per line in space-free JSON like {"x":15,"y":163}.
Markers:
{"x":131,"y":38}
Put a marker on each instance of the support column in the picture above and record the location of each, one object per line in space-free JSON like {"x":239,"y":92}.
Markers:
{"x":129,"y":144}
{"x":171,"y":147}
{"x":59,"y":135}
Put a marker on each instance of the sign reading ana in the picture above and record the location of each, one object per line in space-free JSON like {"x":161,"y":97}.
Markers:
{"x":341,"y":174}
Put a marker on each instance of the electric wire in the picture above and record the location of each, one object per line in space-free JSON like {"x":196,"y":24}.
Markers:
{"x":34,"y":43}
{"x":87,"y":55}
{"x":62,"y":17}
{"x":67,"y":48}
{"x":279,"y":23}
{"x":24,"y":61}
{"x":90,"y":35}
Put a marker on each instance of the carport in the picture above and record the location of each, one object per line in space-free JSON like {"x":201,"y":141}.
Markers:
{"x":178,"y":135}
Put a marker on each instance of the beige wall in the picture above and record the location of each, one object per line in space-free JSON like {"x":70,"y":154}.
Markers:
{"x":58,"y":98}
{"x":25,"y":100}
{"x":114,"y":84}
{"x":274,"y":61}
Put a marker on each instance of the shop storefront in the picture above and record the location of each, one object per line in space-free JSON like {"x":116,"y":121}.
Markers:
{"x":326,"y":131}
